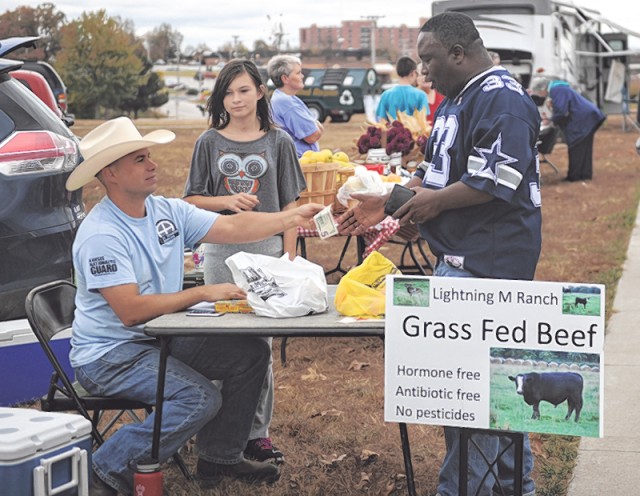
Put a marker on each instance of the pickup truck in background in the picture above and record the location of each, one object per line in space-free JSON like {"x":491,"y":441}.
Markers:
{"x":337,"y":93}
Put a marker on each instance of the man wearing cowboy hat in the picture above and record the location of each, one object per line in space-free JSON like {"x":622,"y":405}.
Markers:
{"x":128,"y":257}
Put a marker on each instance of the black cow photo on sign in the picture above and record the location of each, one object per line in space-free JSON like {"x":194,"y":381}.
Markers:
{"x":581,"y":299}
{"x":545,"y":391}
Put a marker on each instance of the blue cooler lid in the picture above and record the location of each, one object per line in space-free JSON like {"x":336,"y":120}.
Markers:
{"x":25,"y":432}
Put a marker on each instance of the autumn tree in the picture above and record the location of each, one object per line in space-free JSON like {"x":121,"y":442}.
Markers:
{"x":44,"y":21}
{"x":164,"y":43}
{"x":262,"y":49}
{"x":99,"y":64}
{"x":149,"y":95}
{"x":234,"y":50}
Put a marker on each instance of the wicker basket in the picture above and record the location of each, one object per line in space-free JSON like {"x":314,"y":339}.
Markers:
{"x":321,"y":183}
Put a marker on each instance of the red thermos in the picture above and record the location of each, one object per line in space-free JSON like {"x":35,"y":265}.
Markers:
{"x":147,"y":481}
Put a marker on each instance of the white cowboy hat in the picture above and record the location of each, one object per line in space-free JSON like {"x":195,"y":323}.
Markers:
{"x":107,"y":143}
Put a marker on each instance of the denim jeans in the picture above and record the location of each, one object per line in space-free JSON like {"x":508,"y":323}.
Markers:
{"x":264,"y":411}
{"x":192,"y":403}
{"x":491,"y":446}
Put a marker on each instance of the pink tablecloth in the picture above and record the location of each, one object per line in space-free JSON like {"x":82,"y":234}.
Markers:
{"x":374,"y":237}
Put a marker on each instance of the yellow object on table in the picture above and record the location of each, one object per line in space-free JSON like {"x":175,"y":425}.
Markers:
{"x":361,"y":291}
{"x":233,"y":306}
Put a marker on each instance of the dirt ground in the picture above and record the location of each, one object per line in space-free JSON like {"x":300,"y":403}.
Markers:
{"x":328,"y":417}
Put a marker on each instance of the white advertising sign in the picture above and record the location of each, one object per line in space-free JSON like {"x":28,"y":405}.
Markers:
{"x":495,"y":354}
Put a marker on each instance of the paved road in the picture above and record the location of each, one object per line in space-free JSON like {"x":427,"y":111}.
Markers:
{"x":611,"y":465}
{"x":183,"y":106}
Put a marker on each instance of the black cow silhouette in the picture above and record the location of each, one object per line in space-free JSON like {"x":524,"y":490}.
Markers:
{"x":581,"y":301}
{"x":414,"y":292}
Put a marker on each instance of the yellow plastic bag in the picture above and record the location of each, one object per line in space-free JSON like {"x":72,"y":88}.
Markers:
{"x":361,"y":291}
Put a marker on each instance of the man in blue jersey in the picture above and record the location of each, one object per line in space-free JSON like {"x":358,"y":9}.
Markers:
{"x":128,"y":256}
{"x":477,"y":200}
{"x":404,"y":97}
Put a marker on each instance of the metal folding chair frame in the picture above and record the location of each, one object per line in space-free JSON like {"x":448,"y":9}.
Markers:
{"x":57,"y":300}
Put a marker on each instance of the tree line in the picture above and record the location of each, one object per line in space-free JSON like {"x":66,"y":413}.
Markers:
{"x":105,"y":66}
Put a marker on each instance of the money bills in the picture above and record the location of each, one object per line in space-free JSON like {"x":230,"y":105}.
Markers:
{"x":325,"y":224}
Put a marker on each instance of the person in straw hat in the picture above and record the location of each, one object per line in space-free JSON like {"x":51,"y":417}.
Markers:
{"x":128,"y":257}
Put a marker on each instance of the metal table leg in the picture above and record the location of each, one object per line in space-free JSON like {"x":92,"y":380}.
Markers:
{"x":338,"y":267}
{"x":157,"y":421}
{"x":283,"y":351}
{"x":406,"y":453}
{"x":361,"y":248}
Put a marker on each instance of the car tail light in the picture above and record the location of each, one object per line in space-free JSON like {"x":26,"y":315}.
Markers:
{"x":28,"y":152}
{"x":62,"y":101}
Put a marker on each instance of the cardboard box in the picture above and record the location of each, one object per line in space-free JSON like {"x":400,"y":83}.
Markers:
{"x":44,"y":453}
{"x":233,"y":306}
{"x":24,"y":368}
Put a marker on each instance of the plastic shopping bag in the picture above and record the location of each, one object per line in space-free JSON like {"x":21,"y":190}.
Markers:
{"x":279,"y":287}
{"x":361,"y":291}
{"x":363,"y":181}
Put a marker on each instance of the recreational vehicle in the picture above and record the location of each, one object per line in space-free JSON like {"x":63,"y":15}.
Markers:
{"x":557,"y":39}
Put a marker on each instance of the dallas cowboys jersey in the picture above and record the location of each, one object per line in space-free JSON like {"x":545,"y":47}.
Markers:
{"x":486,"y":138}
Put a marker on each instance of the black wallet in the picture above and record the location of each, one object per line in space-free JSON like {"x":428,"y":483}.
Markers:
{"x":399,"y":196}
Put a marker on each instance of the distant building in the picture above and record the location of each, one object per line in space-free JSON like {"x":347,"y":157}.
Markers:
{"x":390,"y":41}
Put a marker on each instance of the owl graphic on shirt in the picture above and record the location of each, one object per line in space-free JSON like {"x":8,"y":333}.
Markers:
{"x":242,"y":172}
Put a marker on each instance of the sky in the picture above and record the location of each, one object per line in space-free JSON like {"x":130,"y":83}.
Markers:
{"x":216,"y":22}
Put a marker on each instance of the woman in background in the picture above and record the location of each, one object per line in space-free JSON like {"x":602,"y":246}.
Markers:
{"x":242,"y":162}
{"x":577,"y":118}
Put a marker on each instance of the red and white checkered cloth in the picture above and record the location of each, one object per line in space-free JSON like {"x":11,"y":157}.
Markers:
{"x":375,"y":237}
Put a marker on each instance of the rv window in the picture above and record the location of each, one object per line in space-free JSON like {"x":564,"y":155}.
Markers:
{"x":477,"y":13}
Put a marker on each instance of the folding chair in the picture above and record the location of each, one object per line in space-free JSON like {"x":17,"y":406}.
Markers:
{"x":50,"y":308}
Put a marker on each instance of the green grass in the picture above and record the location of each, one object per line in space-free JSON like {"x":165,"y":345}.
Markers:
{"x":509,"y":411}
{"x":402,"y":296}
{"x":591,"y":308}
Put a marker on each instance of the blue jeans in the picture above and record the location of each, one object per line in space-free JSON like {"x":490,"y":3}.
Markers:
{"x":491,"y":446}
{"x":192,"y":403}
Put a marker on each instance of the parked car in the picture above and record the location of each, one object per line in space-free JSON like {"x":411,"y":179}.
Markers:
{"x":53,"y":78}
{"x":38,"y":217}
{"x":39,"y":86}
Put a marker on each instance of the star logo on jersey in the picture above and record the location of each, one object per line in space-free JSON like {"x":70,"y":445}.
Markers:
{"x":492,"y":158}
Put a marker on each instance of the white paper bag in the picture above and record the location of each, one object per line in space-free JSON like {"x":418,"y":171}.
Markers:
{"x":279,"y":287}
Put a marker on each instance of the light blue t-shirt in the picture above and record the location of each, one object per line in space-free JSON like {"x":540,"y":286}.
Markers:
{"x":403,"y":98}
{"x":291,"y":114}
{"x":111,"y":249}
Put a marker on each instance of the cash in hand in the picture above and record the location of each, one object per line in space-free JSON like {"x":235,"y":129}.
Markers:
{"x":325,"y":223}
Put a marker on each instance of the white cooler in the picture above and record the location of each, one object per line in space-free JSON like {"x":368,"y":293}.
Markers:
{"x":44,"y":454}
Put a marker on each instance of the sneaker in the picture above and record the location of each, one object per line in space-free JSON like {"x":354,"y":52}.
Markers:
{"x":262,"y":449}
{"x":100,"y":488}
{"x":211,"y":473}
